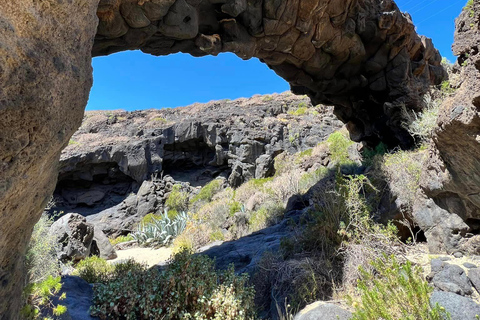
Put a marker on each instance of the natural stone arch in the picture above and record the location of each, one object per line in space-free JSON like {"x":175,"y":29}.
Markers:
{"x":363,"y":56}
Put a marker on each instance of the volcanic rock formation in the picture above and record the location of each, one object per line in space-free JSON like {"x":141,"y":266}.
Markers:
{"x":452,"y":174}
{"x":120,"y":166}
{"x":362,"y":56}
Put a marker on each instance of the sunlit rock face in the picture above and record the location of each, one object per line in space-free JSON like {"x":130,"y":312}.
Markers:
{"x":363,"y":56}
{"x":45,"y":78}
{"x":451,"y":176}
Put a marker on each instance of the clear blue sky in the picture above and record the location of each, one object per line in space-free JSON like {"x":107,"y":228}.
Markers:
{"x":133,"y":80}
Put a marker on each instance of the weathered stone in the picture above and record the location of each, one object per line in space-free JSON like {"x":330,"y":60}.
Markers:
{"x":449,"y":277}
{"x":324,"y":311}
{"x":74,"y":237}
{"x":101,"y":246}
{"x":460,"y":308}
{"x":45,"y":77}
{"x":314,"y":47}
{"x":451,"y":176}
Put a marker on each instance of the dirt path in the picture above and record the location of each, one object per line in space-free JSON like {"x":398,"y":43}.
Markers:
{"x":145,"y":255}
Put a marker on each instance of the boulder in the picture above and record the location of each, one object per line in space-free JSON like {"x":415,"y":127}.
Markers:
{"x":74,"y":237}
{"x":324,"y":311}
{"x":450,"y":278}
{"x":101,"y":245}
{"x":460,"y":308}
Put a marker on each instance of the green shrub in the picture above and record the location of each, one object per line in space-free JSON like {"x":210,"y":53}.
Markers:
{"x":121,"y":239}
{"x":97,"y":270}
{"x":93,"y":269}
{"x":395,"y":291}
{"x":300,"y":111}
{"x":216,"y":235}
{"x":177,"y":200}
{"x":39,"y":297}
{"x":208,"y":191}
{"x":159,"y":119}
{"x":421,"y":125}
{"x":268,"y":214}
{"x":303,"y":154}
{"x":161,"y":231}
{"x":41,"y":258}
{"x":338,"y":144}
{"x":149,"y":219}
{"x":188,"y":288}
{"x":309,"y":179}
{"x":235,"y":207}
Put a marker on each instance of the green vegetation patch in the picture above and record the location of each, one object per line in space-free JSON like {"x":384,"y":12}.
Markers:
{"x":177,"y":200}
{"x":188,"y":288}
{"x":339,"y":143}
{"x":394,"y":291}
{"x":208,"y":191}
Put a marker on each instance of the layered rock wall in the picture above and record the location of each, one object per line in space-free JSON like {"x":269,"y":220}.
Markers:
{"x":363,"y":56}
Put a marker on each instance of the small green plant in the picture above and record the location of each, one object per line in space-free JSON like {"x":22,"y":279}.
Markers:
{"x":304,"y":154}
{"x":235,"y":207}
{"x":300,"y":111}
{"x":39,"y":297}
{"x":421,"y":125}
{"x":208,"y":191}
{"x":394,"y":291}
{"x":149,"y":219}
{"x":446,"y":88}
{"x":93,"y":269}
{"x":161,"y":231}
{"x":339,"y":143}
{"x":267,"y":98}
{"x":72,"y":142}
{"x":121,"y":239}
{"x":469,"y":7}
{"x":216,"y":235}
{"x":177,"y":200}
{"x":160,"y":119}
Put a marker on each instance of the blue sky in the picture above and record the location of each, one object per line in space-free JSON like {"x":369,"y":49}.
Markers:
{"x":133,"y":80}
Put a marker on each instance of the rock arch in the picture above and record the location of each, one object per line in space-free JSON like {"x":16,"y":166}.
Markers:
{"x":363,"y":56}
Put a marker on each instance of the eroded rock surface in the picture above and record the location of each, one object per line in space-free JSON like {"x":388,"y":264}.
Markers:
{"x":452,"y":174}
{"x":45,"y":77}
{"x":364,"y":56}
{"x":120,"y":166}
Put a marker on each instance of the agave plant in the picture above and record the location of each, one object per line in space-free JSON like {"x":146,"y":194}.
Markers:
{"x":161,"y":231}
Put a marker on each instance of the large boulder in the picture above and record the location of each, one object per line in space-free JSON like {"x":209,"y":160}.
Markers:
{"x":460,"y":308}
{"x":74,"y":237}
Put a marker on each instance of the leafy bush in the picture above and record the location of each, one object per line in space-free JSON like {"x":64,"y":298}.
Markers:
{"x":177,"y":200}
{"x":149,"y":219}
{"x":161,"y":231}
{"x":269,"y":213}
{"x":309,"y":179}
{"x":39,"y":299}
{"x":208,"y":191}
{"x":300,"y":111}
{"x":41,"y":258}
{"x":395,"y":291}
{"x":188,"y":288}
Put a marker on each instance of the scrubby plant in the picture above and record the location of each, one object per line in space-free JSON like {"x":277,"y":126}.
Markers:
{"x":161,"y":231}
{"x":395,"y":291}
{"x":299,"y":111}
{"x":188,"y":288}
{"x":269,"y":213}
{"x":41,"y":258}
{"x":339,"y":143}
{"x":208,"y":191}
{"x":93,"y":269}
{"x":177,"y":200}
{"x":421,"y":125}
{"x":402,"y":170}
{"x":121,"y":239}
{"x":39,"y":299}
{"x":149,"y":219}
{"x":309,"y":179}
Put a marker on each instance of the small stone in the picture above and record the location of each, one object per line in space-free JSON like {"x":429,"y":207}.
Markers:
{"x":469,"y":265}
{"x":458,"y":255}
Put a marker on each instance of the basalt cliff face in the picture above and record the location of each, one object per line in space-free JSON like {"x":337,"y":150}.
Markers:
{"x":120,"y":166}
{"x":362,"y":56}
{"x":452,"y":174}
